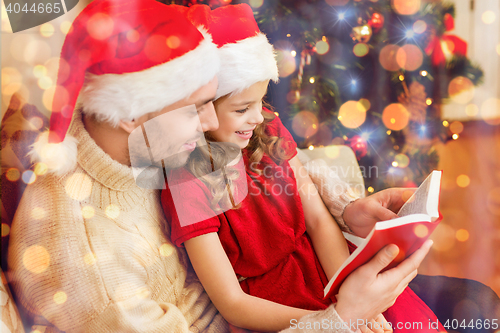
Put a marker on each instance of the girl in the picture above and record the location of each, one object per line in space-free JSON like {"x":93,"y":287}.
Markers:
{"x":265,"y":262}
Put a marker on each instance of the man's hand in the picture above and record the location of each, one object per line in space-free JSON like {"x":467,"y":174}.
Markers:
{"x":362,"y":214}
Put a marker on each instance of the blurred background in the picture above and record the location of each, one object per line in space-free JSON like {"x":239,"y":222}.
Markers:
{"x":409,"y":85}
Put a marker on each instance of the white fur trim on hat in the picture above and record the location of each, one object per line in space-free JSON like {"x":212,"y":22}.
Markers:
{"x":244,"y":63}
{"x":60,"y":158}
{"x":115,"y":97}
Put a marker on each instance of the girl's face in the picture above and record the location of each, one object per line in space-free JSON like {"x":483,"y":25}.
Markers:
{"x":239,"y":114}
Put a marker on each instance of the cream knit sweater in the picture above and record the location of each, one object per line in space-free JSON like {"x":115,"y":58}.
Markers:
{"x":89,"y":252}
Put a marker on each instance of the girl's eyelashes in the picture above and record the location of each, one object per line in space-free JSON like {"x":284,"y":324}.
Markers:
{"x":243,"y":110}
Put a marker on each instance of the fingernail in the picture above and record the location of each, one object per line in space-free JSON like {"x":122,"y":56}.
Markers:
{"x":392,"y":250}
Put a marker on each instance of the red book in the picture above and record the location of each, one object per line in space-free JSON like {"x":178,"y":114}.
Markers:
{"x":418,"y":218}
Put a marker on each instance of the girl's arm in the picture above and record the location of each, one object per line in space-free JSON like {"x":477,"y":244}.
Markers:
{"x":328,"y":241}
{"x":219,"y":280}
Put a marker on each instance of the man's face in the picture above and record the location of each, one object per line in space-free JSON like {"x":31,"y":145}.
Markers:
{"x":167,"y":137}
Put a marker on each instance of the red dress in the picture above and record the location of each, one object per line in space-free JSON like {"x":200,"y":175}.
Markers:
{"x":265,"y":239}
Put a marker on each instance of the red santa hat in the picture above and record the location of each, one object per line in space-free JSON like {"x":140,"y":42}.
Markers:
{"x":125,"y":59}
{"x":246,"y":55}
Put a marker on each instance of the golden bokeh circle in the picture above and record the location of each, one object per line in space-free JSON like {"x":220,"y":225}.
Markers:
{"x":322,"y":47}
{"x":305,"y":124}
{"x":419,"y":27}
{"x":112,"y":211}
{"x":410,"y":57}
{"x":461,"y":90}
{"x":395,"y":116}
{"x":13,"y":174}
{"x":456,"y":127}
{"x":36,"y":259}
{"x":60,"y":297}
{"x":352,"y":114}
{"x":462,"y":235}
{"x":166,"y":250}
{"x":388,"y":57}
{"x":360,"y":49}
{"x":286,"y":62}
{"x":463,"y":181}
{"x":421,"y":231}
{"x":402,"y":160}
{"x":406,"y":7}
{"x":100,"y":26}
{"x":78,"y":186}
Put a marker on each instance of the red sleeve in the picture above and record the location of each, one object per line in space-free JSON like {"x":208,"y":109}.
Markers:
{"x":188,"y":211}
{"x":276,"y":128}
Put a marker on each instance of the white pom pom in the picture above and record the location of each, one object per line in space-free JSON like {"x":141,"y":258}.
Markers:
{"x":60,"y":158}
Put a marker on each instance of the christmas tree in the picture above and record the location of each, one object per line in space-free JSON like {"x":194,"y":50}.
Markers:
{"x":371,"y":74}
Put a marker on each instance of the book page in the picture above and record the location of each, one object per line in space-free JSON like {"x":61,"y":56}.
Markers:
{"x":417,"y":204}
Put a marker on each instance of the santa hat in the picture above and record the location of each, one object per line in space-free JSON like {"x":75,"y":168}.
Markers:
{"x":122,"y":60}
{"x":246,"y":55}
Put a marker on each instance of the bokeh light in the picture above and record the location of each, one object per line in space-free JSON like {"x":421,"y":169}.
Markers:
{"x":428,"y":101}
{"x":488,"y":17}
{"x":65,"y":27}
{"x":360,"y":49}
{"x":45,"y":82}
{"x":11,"y":81}
{"x":286,"y":62}
{"x":352,"y":114}
{"x":463,"y":181}
{"x":36,"y":259}
{"x":48,"y":96}
{"x":173,"y":42}
{"x":462,"y":235}
{"x":57,"y":69}
{"x":78,"y":186}
{"x":166,"y":250}
{"x":38,"y":213}
{"x":387,"y":57}
{"x":456,"y":127}
{"x":37,"y":52}
{"x":406,"y":7}
{"x":47,"y":30}
{"x":337,"y":2}
{"x":13,"y":174}
{"x":421,"y":230}
{"x":454,"y":136}
{"x":409,"y":57}
{"x":446,"y":123}
{"x":419,"y":27}
{"x":471,"y":110}
{"x":493,"y":201}
{"x":312,"y":80}
{"x":444,"y":238}
{"x":40,"y":169}
{"x":332,"y":151}
{"x":305,"y":124}
{"x":293,"y":96}
{"x":256,"y":3}
{"x":490,"y":109}
{"x":88,"y":212}
{"x":322,"y":47}
{"x":28,"y":177}
{"x":89,"y":258}
{"x":461,"y":90}
{"x":100,"y":26}
{"x":39,"y":71}
{"x":60,"y":297}
{"x":402,"y":160}
{"x":112,"y":211}
{"x":365,"y":103}
{"x":5,"y":230}
{"x":370,"y":189}
{"x":395,"y":116}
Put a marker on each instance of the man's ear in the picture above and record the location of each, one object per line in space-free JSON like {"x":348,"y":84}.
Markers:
{"x":128,"y":126}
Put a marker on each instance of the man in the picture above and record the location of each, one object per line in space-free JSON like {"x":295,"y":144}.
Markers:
{"x":89,"y":249}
